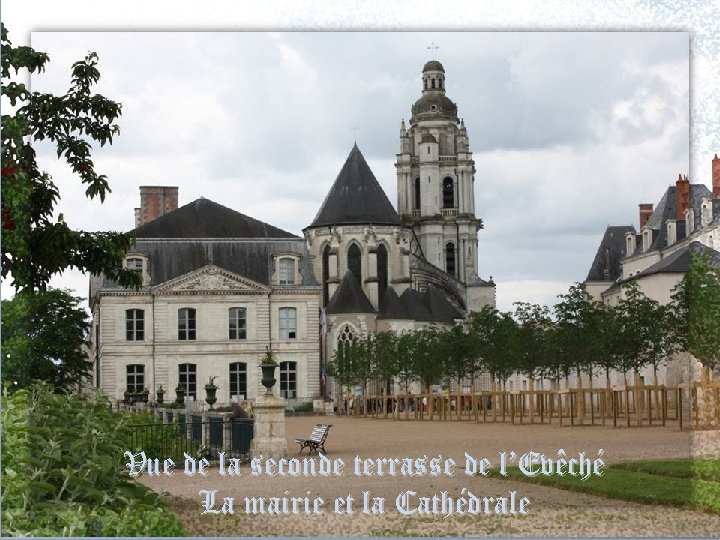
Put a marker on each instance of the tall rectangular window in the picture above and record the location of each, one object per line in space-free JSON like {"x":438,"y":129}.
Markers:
{"x":187,"y":376}
{"x":134,"y":324}
{"x":135,"y":378}
{"x":288,"y":380}
{"x":186,"y":324}
{"x":238,"y":323}
{"x":288,"y":323}
{"x":238,"y":380}
{"x":287,"y":271}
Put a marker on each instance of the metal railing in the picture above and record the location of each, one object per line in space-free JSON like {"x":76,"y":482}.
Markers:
{"x":191,"y":434}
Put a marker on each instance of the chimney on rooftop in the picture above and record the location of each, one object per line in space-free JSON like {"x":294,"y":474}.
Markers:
{"x":156,"y":201}
{"x":682,"y":196}
{"x":716,"y":177}
{"x":646,"y":211}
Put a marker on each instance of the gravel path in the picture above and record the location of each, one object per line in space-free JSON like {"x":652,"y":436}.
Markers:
{"x":552,"y":512}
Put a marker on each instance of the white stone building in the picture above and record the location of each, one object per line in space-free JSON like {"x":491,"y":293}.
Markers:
{"x":218,"y":287}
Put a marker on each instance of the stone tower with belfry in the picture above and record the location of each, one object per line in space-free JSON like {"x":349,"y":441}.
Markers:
{"x":435,"y":181}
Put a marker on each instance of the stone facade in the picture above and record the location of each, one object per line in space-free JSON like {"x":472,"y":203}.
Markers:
{"x":145,"y":338}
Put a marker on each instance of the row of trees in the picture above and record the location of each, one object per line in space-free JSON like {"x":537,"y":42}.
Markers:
{"x":578,"y":336}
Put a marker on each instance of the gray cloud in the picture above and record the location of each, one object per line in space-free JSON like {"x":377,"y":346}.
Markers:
{"x":570,"y":130}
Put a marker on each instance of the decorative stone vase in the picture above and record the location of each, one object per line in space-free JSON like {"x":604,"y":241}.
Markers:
{"x":160,"y":395}
{"x":180,"y":393}
{"x":268,"y":376}
{"x":142,"y":397}
{"x":210,"y":397}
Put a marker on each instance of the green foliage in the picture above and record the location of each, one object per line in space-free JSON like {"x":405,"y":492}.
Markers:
{"x":646,"y":483}
{"x":62,"y":470}
{"x":36,"y":246}
{"x":697,"y":311}
{"x":304,"y":407}
{"x":533,"y":338}
{"x":43,"y":334}
{"x":578,"y":336}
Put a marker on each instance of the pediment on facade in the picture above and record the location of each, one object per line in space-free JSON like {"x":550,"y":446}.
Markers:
{"x":210,"y":279}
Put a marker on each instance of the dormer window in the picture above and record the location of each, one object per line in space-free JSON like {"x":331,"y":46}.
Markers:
{"x":647,"y":239}
{"x":706,"y":213}
{"x":286,"y":269}
{"x":134,"y":263}
{"x":137,"y":262}
{"x":689,"y":221}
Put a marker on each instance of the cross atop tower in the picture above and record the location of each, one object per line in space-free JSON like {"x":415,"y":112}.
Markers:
{"x":432,"y":47}
{"x":355,"y":129}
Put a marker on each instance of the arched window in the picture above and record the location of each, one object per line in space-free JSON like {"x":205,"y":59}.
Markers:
{"x":354,"y":264}
{"x":440,"y":83}
{"x":346,"y":336}
{"x":288,"y":380}
{"x":416,"y":201}
{"x":448,"y":193}
{"x":450,"y":259}
{"x":325,"y":273}
{"x":433,"y":83}
{"x":382,"y":271}
{"x":238,"y":381}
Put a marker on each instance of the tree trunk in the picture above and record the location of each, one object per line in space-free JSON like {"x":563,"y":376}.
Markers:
{"x":580,"y":396}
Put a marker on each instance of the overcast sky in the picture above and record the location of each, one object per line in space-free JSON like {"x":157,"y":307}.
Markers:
{"x":570,"y":131}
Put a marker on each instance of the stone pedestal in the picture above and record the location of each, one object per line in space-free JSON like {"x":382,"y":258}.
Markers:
{"x":269,"y":438}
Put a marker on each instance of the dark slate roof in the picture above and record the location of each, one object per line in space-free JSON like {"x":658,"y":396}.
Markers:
{"x":250,"y":258}
{"x":349,"y":298}
{"x":392,"y":308}
{"x":356,"y":197}
{"x":413,"y":301}
{"x":606,"y":266}
{"x":667,"y":209}
{"x":433,"y":106}
{"x":433,"y":65}
{"x":679,"y":261}
{"x":204,"y":218}
{"x":439,"y":307}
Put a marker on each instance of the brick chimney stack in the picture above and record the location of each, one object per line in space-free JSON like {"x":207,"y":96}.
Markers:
{"x":646,"y":211}
{"x":156,"y":201}
{"x":682,"y":196}
{"x":716,"y":177}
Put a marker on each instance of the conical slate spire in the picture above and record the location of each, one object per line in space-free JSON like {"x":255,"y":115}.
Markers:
{"x":356,"y":197}
{"x":349,"y":298}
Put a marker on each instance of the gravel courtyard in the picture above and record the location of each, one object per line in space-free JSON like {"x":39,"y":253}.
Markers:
{"x":552,"y":512}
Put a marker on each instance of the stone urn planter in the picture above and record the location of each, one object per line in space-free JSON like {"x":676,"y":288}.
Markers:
{"x":160,"y":395}
{"x":210,"y":391}
{"x":180,"y":394}
{"x":268,"y":365}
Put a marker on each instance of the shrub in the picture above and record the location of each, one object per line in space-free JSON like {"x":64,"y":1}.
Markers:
{"x":304,"y":407}
{"x":62,"y":470}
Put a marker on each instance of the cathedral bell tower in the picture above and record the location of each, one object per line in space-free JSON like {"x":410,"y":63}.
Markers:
{"x":435,"y":178}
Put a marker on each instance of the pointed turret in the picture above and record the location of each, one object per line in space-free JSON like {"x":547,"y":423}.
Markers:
{"x":356,"y":197}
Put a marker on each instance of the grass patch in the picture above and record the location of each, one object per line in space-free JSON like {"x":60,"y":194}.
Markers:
{"x":703,"y":469}
{"x":682,"y":483}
